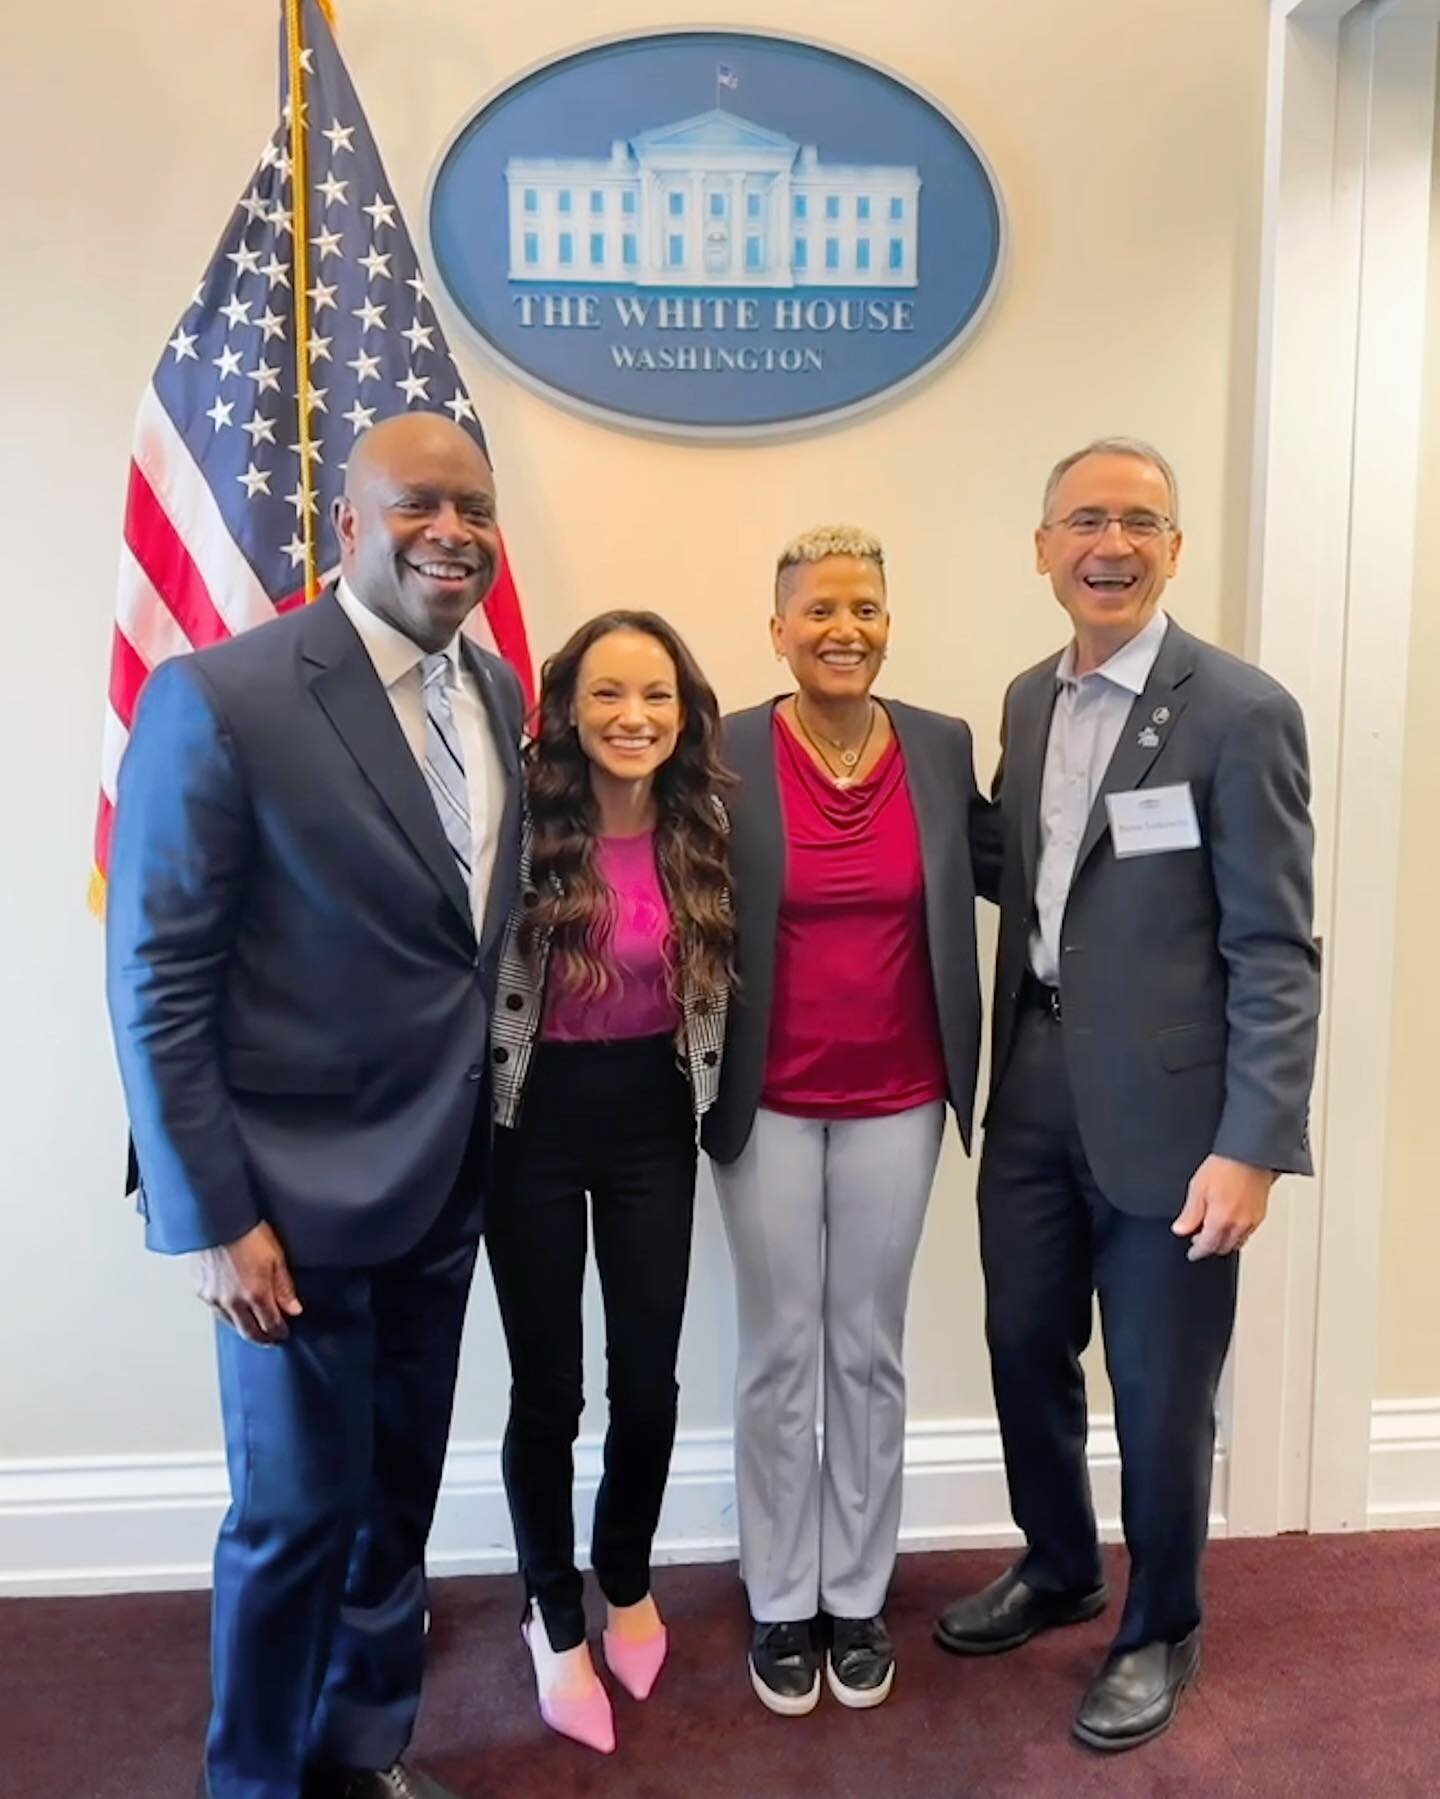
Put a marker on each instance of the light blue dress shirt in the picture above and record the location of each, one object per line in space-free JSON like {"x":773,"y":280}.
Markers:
{"x":1090,"y":713}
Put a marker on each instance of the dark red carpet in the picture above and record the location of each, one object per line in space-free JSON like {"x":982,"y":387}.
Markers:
{"x":1321,"y":1677}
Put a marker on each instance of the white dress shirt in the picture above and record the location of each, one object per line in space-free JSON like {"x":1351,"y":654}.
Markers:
{"x":1090,"y":713}
{"x":397,"y":661}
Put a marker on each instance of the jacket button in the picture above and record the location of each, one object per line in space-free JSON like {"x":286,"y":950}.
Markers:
{"x":530,"y":897}
{"x":474,"y":1072}
{"x":502,"y":1056}
{"x":514,"y":1001}
{"x":710,"y":1058}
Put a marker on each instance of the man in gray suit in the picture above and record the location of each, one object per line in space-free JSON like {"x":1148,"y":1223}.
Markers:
{"x":1156,"y":997}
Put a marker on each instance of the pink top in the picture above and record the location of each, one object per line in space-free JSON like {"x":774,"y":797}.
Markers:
{"x":638,"y":1004}
{"x":854,"y":1032}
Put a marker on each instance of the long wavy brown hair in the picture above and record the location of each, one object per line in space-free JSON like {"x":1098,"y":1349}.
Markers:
{"x":574,"y":905}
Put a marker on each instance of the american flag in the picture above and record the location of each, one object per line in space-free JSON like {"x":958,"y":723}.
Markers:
{"x":213,"y":539}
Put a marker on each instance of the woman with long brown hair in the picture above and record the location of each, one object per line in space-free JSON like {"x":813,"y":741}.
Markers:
{"x":607,"y":1041}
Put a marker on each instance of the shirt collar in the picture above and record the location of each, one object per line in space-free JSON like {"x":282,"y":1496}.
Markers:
{"x":1131,"y":664}
{"x":393,"y":653}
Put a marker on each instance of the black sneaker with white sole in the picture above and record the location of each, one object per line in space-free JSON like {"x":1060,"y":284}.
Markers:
{"x":785,"y":1667}
{"x":859,"y":1661}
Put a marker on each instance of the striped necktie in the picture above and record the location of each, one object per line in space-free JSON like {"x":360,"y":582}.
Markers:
{"x":444,"y":761}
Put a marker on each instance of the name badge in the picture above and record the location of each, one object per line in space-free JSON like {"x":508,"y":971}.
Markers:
{"x":1152,"y":820}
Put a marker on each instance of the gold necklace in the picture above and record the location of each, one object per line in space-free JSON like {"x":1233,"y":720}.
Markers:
{"x":849,"y":759}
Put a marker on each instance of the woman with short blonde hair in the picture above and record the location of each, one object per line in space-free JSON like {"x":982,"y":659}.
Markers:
{"x":856,"y":1019}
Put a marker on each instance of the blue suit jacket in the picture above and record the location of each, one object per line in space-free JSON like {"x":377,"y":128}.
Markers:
{"x":300,"y":1004}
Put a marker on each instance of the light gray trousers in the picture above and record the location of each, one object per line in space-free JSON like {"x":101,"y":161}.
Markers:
{"x":824,"y":1219}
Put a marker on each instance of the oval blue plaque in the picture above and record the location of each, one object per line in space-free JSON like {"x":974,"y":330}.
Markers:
{"x":712,"y":234}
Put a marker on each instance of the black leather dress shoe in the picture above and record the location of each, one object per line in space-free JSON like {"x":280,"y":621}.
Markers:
{"x":785,"y":1667}
{"x":859,"y":1661}
{"x":1134,"y":1696}
{"x":398,"y":1782}
{"x":1008,"y":1613}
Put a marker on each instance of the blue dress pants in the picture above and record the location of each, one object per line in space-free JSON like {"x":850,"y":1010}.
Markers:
{"x":335,"y":1442}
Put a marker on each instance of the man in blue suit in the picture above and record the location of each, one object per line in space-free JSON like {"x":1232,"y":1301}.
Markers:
{"x":316,"y":846}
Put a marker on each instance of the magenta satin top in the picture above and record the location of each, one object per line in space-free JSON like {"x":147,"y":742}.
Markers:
{"x":638,"y":1004}
{"x":854,"y":1032}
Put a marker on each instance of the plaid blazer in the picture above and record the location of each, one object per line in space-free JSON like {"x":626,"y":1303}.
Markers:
{"x":520,"y":1005}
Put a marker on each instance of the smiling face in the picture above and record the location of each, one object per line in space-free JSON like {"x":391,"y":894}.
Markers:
{"x":419,"y":544}
{"x":1109,"y":582}
{"x":831,"y":625}
{"x":627,"y":711}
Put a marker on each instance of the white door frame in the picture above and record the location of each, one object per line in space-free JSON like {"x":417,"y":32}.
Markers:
{"x":1349,"y":146}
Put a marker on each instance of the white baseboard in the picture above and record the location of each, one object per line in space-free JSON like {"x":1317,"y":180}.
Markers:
{"x":1404,"y":1464}
{"x":144,"y":1523}
{"x":137,"y":1523}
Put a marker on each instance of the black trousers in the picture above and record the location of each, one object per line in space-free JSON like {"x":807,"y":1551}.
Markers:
{"x":1049,"y":1239}
{"x":335,"y":1441}
{"x":614,"y":1120}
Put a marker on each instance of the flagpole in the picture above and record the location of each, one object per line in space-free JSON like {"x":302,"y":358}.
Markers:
{"x":300,"y":209}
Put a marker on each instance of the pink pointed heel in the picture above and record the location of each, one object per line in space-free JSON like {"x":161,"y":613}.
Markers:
{"x":636,"y":1663}
{"x":588,"y":1719}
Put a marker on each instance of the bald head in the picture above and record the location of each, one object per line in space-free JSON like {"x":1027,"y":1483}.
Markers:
{"x":405,"y":438}
{"x":418,"y":539}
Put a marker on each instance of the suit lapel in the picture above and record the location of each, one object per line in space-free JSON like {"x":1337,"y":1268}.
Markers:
{"x":502,"y":731}
{"x":758,"y":846}
{"x":936,"y":813}
{"x":1148,"y":728}
{"x":1025,"y":765}
{"x":343,"y":680}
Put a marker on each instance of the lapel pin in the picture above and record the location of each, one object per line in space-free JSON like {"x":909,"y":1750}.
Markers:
{"x":1149,"y":738}
{"x":1160,"y":716}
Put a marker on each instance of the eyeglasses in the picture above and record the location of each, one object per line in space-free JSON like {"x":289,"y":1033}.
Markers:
{"x":1090,"y":521}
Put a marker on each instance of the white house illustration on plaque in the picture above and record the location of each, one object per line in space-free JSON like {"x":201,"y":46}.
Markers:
{"x":713,"y":201}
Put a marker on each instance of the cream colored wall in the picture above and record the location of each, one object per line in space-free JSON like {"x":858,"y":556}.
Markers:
{"x":1410,"y":1314}
{"x":1130,"y":160}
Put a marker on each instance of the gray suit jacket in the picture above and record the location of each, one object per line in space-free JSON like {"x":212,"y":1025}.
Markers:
{"x":949,"y":812}
{"x":1190,"y":981}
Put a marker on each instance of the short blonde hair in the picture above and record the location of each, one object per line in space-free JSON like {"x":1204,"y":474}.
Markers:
{"x":821,"y":541}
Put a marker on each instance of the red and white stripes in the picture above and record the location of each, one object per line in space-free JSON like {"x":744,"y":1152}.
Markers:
{"x":185,"y":584}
